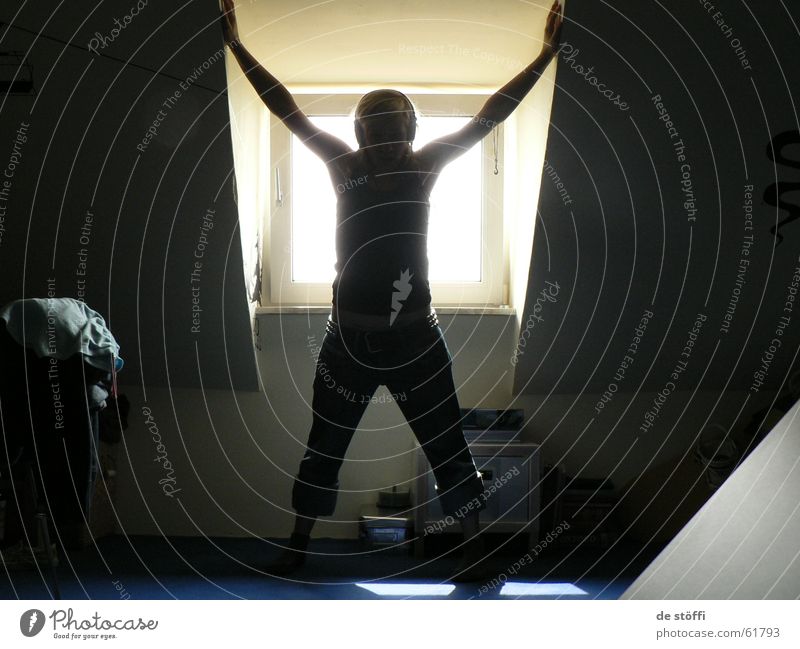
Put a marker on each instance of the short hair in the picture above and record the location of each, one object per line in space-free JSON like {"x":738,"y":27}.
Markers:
{"x":387,"y":102}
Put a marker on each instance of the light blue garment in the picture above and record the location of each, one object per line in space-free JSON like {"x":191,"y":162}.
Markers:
{"x":60,"y":328}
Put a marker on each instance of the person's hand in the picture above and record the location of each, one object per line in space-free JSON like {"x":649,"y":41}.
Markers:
{"x":230,"y":31}
{"x":552,"y":30}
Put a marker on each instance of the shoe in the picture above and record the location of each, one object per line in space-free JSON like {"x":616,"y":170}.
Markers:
{"x":473,"y":564}
{"x":288,"y":562}
{"x":291,"y":559}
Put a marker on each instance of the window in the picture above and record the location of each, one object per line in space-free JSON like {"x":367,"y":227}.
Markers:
{"x":465,"y":227}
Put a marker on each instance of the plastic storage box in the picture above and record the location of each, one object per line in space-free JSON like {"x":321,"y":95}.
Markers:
{"x":379,"y":527}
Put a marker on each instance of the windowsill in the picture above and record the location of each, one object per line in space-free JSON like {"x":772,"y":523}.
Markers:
{"x":441,"y":310}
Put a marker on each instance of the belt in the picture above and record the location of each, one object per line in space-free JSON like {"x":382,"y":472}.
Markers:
{"x":377,"y":340}
{"x":372,"y":322}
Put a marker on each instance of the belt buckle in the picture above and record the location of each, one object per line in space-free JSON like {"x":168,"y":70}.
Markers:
{"x":367,"y":341}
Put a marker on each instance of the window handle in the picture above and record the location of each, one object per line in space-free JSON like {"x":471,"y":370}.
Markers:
{"x":278,"y":188}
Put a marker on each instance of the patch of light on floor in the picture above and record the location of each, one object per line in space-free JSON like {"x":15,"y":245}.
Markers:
{"x":517,"y":588}
{"x":409,"y":590}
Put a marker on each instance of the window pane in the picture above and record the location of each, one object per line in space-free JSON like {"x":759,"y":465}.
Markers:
{"x":454,"y":231}
{"x":314,"y":206}
{"x":454,"y":228}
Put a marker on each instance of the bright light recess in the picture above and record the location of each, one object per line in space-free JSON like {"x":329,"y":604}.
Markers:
{"x":409,"y":590}
{"x":521,"y":588}
{"x":454,"y":230}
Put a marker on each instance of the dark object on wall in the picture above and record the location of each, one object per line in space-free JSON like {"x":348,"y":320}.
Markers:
{"x":717,"y":453}
{"x":774,"y":194}
{"x":16,"y":74}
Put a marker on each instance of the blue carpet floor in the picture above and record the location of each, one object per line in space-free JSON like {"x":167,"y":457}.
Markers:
{"x":223,"y":568}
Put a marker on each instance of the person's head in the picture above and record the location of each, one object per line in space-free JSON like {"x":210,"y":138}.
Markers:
{"x":385,"y":123}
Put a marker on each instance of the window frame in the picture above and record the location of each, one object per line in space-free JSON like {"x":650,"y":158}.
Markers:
{"x":490,"y":291}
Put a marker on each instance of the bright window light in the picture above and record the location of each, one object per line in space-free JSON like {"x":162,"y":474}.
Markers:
{"x":408,"y":590}
{"x":455,"y":226}
{"x":521,"y":588}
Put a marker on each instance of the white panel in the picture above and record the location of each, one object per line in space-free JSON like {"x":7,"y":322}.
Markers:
{"x":743,"y":543}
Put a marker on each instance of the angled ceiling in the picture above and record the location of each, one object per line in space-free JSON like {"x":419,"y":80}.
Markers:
{"x":460,"y":42}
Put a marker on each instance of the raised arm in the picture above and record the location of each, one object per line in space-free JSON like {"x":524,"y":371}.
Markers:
{"x":276,"y":97}
{"x":500,"y":105}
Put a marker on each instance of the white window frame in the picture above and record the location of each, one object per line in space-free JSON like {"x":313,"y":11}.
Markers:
{"x":490,"y":291}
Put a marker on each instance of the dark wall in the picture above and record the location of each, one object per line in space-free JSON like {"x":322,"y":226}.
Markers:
{"x":80,"y":152}
{"x":626,"y":243}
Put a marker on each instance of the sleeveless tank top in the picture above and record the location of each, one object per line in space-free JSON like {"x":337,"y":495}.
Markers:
{"x":382,"y":247}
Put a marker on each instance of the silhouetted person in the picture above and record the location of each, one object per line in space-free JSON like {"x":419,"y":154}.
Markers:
{"x":382,"y":330}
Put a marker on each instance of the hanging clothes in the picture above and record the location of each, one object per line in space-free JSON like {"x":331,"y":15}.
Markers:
{"x":60,"y":328}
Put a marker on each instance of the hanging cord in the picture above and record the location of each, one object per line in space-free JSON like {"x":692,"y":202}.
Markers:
{"x":494,"y":138}
{"x":106,"y":56}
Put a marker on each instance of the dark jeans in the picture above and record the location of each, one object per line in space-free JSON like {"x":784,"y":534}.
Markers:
{"x":415,"y":365}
